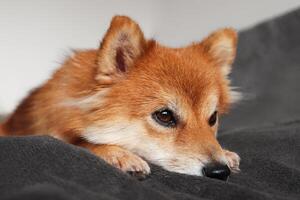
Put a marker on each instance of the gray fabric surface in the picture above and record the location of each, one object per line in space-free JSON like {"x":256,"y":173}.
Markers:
{"x":45,"y":168}
{"x":267,"y":71}
{"x":264,"y":130}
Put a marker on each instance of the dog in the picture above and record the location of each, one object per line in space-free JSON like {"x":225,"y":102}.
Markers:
{"x":133,"y":100}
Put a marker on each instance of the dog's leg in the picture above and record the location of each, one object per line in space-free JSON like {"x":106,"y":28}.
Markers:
{"x":233,"y":160}
{"x":120,"y":158}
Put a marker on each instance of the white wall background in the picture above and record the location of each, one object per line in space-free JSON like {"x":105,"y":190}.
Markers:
{"x":35,"y":35}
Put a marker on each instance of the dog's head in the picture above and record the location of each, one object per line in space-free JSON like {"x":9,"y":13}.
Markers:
{"x":162,"y":103}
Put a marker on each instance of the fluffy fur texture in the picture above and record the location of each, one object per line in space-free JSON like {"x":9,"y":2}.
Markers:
{"x":103,"y":100}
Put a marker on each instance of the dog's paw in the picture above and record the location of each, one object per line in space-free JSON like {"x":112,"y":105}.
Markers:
{"x":127,"y":162}
{"x":233,"y":161}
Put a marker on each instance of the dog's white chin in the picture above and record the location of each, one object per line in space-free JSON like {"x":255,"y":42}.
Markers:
{"x":132,"y":136}
{"x":189,"y":168}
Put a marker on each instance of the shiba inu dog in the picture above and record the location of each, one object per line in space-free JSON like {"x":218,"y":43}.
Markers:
{"x":134,"y":100}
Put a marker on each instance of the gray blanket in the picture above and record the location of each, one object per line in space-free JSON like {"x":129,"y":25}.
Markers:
{"x":264,"y":129}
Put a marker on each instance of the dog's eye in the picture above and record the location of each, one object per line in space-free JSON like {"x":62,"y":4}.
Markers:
{"x":165,"y":117}
{"x":213,"y":118}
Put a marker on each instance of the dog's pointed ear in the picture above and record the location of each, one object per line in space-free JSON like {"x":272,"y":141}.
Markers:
{"x":221,"y":47}
{"x":123,"y":43}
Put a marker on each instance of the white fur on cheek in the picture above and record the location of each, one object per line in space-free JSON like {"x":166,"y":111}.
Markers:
{"x":118,"y":133}
{"x":130,"y":135}
{"x":87,"y":101}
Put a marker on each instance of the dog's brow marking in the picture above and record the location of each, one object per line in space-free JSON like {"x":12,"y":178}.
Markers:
{"x":175,"y":103}
{"x":211,"y":105}
{"x":117,"y":133}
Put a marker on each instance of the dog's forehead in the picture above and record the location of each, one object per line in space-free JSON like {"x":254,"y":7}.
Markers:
{"x":184,"y":78}
{"x":190,"y":74}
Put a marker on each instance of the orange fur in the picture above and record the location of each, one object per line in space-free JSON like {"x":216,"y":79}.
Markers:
{"x":101,"y":99}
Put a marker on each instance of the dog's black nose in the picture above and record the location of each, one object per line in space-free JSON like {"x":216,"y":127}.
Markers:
{"x":217,"y":171}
